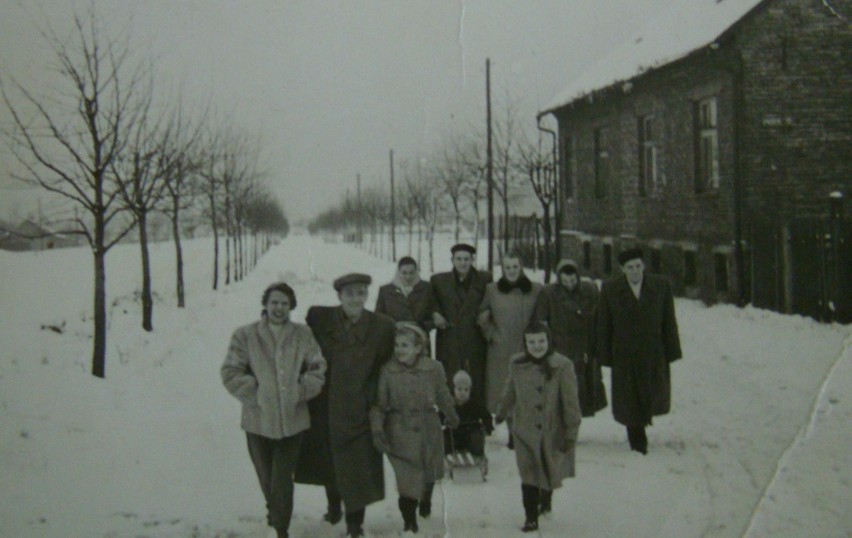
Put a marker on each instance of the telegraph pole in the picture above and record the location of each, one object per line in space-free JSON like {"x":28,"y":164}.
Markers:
{"x":360,"y":213}
{"x":489,"y":166}
{"x":393,"y":211}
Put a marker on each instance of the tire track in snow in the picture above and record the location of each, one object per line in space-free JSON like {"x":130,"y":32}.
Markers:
{"x":805,"y":433}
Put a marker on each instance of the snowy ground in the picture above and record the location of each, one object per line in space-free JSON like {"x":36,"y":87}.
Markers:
{"x":757,"y":443}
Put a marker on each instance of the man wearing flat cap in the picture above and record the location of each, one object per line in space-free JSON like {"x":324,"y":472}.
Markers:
{"x":338,"y":451}
{"x":638,"y":339}
{"x":457,"y":295}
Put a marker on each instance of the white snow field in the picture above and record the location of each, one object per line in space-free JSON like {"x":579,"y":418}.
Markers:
{"x":757,"y":443}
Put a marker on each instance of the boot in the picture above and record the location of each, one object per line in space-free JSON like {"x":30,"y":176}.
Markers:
{"x":531,"y":499}
{"x":408,"y":508}
{"x":511,"y":444}
{"x":334,"y":513}
{"x":545,"y":501}
{"x":353,"y":530}
{"x":424,"y":508}
{"x":638,"y":439}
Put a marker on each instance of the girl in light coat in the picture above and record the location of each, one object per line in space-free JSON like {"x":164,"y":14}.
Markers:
{"x":541,"y":397}
{"x":405,"y":421}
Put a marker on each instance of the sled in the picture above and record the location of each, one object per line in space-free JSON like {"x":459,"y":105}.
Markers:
{"x":462,"y":459}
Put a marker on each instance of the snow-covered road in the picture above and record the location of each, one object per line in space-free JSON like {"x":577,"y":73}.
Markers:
{"x":156,"y":450}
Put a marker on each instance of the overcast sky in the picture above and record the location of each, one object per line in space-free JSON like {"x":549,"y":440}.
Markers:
{"x":330,"y":87}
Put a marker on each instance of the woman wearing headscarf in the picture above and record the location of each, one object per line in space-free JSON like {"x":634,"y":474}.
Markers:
{"x":541,"y":397}
{"x":568,"y":307}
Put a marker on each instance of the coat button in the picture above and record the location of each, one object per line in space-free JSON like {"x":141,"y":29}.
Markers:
{"x":539,"y":388}
{"x":539,"y":407}
{"x":538,"y":426}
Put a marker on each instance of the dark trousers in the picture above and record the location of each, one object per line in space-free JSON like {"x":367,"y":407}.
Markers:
{"x":275,"y":461}
{"x":334,"y":500}
{"x":531,"y":496}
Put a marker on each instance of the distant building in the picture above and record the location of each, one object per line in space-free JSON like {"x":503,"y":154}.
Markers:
{"x":27,"y":235}
{"x":720,"y":140}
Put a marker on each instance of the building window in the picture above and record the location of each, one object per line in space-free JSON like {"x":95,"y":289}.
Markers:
{"x":656,"y":261}
{"x":587,"y":254}
{"x":706,"y":145}
{"x":607,"y":258}
{"x":721,"y":262}
{"x":690,"y":268}
{"x":601,"y":163}
{"x":648,"y":174}
{"x":568,"y":167}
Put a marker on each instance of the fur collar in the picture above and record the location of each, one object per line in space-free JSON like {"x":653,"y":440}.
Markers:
{"x":523,"y":283}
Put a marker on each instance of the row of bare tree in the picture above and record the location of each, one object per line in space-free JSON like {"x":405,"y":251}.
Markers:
{"x":99,"y":137}
{"x":448,"y":189}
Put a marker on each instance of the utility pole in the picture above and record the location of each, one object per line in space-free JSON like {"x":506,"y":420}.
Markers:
{"x":393,"y":211}
{"x":489,"y":165}
{"x":360,"y":213}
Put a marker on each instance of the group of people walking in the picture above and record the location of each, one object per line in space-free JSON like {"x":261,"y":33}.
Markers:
{"x":322,"y":402}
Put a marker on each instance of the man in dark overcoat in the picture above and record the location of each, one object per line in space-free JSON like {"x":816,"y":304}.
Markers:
{"x":338,"y":450}
{"x":407,"y":297}
{"x":568,"y":307}
{"x":638,"y":339}
{"x":457,"y":295}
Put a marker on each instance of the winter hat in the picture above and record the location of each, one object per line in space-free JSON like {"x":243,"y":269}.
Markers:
{"x":419,"y":334}
{"x":462,"y":378}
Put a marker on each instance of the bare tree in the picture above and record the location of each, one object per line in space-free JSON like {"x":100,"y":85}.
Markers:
{"x":67,"y":143}
{"x":454,"y":178}
{"x":540,"y":170}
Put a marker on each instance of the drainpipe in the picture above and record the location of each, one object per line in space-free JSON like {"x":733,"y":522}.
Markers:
{"x":738,"y":73}
{"x":557,"y":208}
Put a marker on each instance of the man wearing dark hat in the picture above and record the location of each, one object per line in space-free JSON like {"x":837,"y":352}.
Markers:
{"x":338,"y":450}
{"x":457,"y":295}
{"x":638,"y":339}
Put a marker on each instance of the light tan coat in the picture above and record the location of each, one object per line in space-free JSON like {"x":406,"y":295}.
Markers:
{"x":274,"y":379}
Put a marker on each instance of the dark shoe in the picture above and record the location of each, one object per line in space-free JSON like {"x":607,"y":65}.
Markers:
{"x":333,"y":516}
{"x":354,"y":531}
{"x":411,"y":527}
{"x":424,"y":509}
{"x":511,"y":444}
{"x":530,"y":525}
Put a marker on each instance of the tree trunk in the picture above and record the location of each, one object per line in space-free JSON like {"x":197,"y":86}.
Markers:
{"x":548,"y":263}
{"x":178,"y":252}
{"x":99,"y":350}
{"x":147,"y":300}
{"x":215,"y":244}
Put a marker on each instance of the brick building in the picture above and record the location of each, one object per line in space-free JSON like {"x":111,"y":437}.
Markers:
{"x":720,"y":141}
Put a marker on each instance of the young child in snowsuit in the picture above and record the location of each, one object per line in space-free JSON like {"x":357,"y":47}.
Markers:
{"x":541,"y":396}
{"x":405,"y":423}
{"x":473,"y":419}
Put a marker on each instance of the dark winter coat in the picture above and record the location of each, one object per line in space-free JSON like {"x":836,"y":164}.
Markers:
{"x":416,"y":307}
{"x":638,"y":339}
{"x":274,"y":381}
{"x":570,"y":315}
{"x":406,"y":410}
{"x":545,"y":419}
{"x":338,"y":449}
{"x":503,"y":317}
{"x":461,"y":346}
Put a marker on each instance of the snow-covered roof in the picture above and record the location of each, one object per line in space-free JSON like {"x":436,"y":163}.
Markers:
{"x":667,"y":35}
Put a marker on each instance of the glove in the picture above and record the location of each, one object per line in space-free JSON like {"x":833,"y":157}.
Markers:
{"x":568,"y":445}
{"x":380,"y":441}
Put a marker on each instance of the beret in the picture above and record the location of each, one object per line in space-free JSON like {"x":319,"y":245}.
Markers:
{"x":629,"y":254}
{"x":464,"y":247}
{"x":352,"y":278}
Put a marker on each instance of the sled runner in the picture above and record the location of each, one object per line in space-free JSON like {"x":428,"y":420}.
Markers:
{"x":461,"y":457}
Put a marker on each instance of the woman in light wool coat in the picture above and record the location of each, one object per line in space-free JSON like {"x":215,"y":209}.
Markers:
{"x":274,"y":366}
{"x":541,"y":396}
